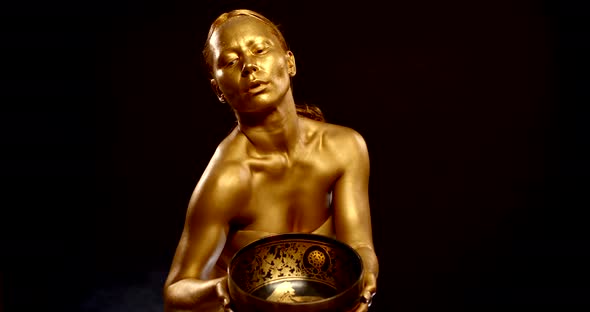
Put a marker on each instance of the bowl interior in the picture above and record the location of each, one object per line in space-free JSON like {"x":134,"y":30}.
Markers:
{"x":294,"y":268}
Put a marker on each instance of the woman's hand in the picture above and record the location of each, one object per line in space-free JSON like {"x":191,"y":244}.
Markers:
{"x":369,"y":291}
{"x":223,"y":294}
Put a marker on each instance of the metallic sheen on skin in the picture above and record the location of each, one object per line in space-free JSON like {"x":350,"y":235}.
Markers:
{"x":276,"y":172}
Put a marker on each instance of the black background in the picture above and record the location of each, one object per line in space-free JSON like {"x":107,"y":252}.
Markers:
{"x":475,"y":115}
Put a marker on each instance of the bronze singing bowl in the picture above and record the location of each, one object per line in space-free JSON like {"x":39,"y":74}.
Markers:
{"x":295,"y":272}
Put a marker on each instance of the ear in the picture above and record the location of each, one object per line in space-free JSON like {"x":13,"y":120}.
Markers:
{"x":217,"y":91}
{"x":292,"y":68}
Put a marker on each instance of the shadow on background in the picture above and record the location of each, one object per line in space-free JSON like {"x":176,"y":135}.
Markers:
{"x":474,"y":115}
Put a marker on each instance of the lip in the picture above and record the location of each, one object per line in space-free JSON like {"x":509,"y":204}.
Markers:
{"x":256,"y":86}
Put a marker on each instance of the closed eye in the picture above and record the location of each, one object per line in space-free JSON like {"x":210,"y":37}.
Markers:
{"x":229,"y":63}
{"x":259,"y":49}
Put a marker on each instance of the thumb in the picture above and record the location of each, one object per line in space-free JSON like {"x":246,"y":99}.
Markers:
{"x":370,"y":289}
{"x":223,"y":295}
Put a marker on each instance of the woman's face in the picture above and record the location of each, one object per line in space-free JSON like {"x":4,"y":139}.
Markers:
{"x":250,"y":68}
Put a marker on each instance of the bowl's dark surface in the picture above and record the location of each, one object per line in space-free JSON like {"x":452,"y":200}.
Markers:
{"x":295,"y":272}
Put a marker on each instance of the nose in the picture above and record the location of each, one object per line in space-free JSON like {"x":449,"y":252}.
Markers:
{"x":249,"y":68}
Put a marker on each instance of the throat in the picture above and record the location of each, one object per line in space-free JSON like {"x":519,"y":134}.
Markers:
{"x":286,"y":141}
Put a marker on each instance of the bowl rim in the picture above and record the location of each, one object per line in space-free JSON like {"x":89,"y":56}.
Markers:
{"x":303,"y":236}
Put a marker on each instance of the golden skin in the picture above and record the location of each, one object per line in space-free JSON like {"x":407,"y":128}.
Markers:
{"x":274,"y":173}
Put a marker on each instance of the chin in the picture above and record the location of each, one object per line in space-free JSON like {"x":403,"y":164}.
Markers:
{"x":258,"y":103}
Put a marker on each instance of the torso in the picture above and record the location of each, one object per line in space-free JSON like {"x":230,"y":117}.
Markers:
{"x":290,"y":195}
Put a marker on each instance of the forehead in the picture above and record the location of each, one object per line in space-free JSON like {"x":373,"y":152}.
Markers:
{"x":241,"y":29}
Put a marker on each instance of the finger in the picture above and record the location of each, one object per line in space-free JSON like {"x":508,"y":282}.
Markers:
{"x":223,"y":295}
{"x":225,"y":304}
{"x":221,"y":287}
{"x":363,"y":307}
{"x":369,"y":291}
{"x":367,"y":298}
{"x":371,"y":283}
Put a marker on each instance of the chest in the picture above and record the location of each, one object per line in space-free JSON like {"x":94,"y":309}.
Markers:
{"x":289,"y":197}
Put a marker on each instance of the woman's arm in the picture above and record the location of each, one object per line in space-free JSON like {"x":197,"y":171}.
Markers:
{"x":352,"y":210}
{"x":189,"y":285}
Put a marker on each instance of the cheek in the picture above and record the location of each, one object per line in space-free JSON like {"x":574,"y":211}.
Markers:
{"x":225,"y":81}
{"x":218,"y":73}
{"x":280,"y":68}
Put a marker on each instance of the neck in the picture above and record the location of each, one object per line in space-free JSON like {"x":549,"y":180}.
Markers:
{"x":277,"y":130}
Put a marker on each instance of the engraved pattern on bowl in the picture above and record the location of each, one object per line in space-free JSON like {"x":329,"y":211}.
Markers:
{"x":287,"y":270}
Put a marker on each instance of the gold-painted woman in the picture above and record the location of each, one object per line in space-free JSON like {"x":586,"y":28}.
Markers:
{"x":282,"y":169}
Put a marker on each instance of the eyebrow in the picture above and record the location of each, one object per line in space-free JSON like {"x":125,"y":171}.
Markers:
{"x":255,"y":41}
{"x":258,"y":39}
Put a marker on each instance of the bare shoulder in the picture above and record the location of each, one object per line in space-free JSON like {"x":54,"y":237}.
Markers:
{"x":343,"y":134}
{"x":340,"y":137}
{"x":225,"y":181}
